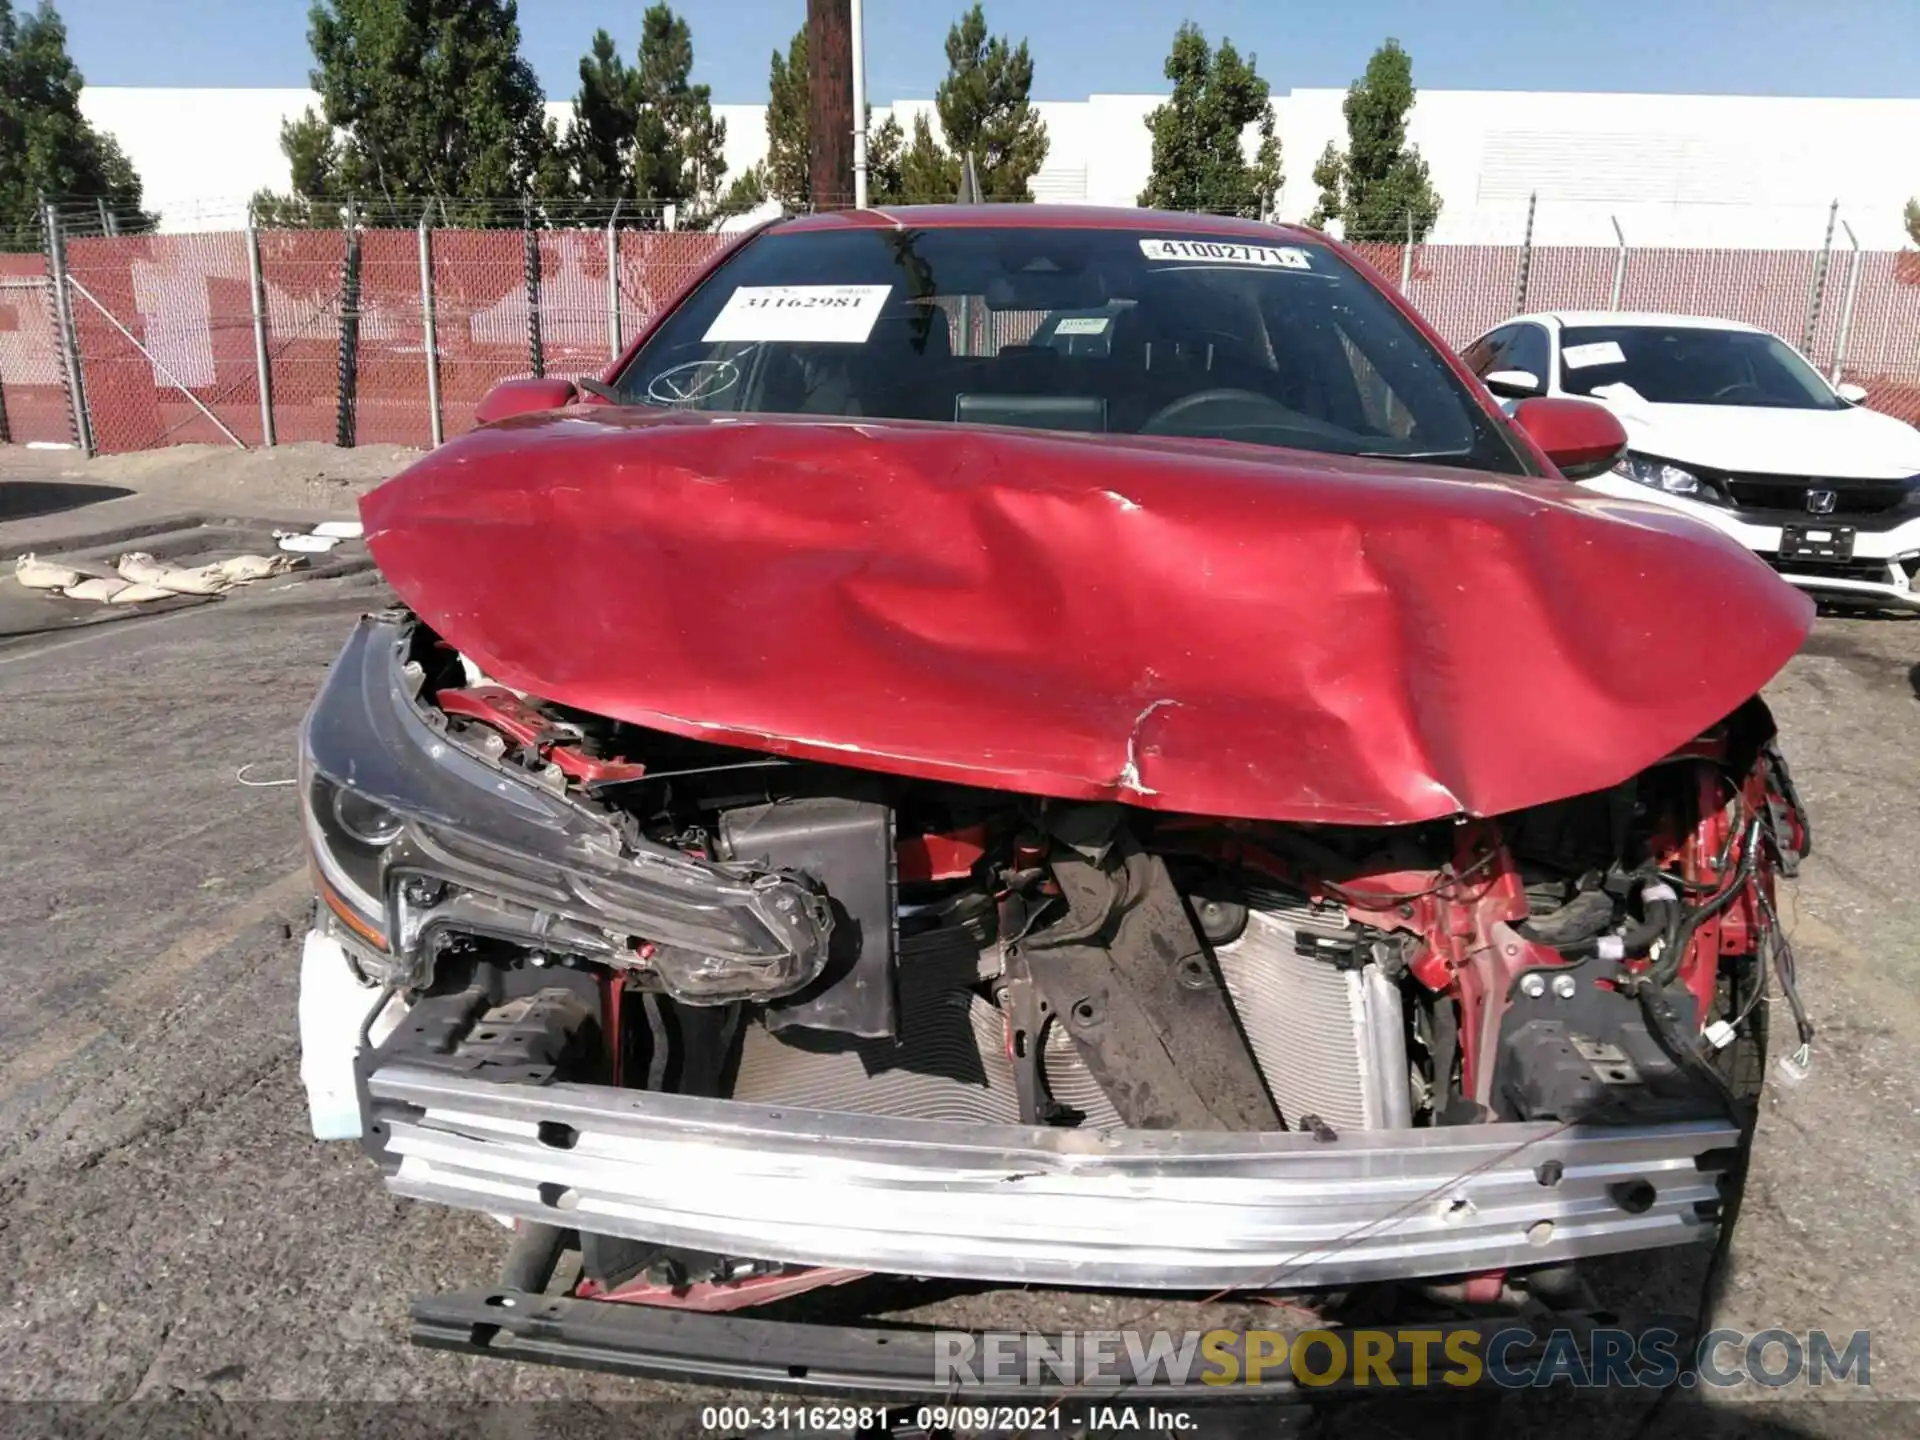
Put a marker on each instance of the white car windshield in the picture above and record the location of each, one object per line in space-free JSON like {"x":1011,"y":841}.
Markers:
{"x":1691,"y":365}
{"x":1101,"y":331}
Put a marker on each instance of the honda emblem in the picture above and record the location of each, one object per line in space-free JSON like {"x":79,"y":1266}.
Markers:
{"x":1820,"y":502}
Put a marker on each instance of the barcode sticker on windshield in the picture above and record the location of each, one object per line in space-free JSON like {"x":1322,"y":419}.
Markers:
{"x":1082,"y":325}
{"x":817,"y":314}
{"x":1600,"y":352}
{"x":1223,"y":252}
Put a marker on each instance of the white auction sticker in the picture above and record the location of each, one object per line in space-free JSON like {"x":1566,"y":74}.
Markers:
{"x":1082,"y":325}
{"x":1600,"y":352}
{"x":828,"y":314}
{"x":1224,"y":252}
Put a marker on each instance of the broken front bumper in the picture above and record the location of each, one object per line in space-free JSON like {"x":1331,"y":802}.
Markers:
{"x":1161,"y":1210}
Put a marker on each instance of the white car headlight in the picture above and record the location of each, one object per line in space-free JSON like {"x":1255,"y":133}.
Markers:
{"x":1658,"y":474}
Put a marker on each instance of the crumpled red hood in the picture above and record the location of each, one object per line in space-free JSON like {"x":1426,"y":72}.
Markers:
{"x":1214,"y":629}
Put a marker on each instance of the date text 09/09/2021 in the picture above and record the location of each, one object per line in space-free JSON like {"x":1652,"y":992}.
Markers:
{"x":935,"y":1419}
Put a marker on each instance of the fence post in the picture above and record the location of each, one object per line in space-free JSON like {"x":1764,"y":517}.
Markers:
{"x":345,"y":420}
{"x":429,"y":326}
{"x":1846,"y":306}
{"x":1526,"y":259}
{"x":258,"y":288}
{"x":69,"y":336}
{"x":613,"y":284}
{"x":536,"y":352}
{"x":1816,"y":292}
{"x":1619,"y":263}
{"x":1406,"y":257}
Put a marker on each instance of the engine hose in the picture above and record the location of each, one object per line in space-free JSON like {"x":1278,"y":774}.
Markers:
{"x":1667,"y":968}
{"x":1660,"y":912}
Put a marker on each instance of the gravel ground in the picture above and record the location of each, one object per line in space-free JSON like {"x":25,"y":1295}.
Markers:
{"x":167,"y":1231}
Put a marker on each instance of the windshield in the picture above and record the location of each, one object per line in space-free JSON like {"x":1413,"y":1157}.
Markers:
{"x":1690,"y":365}
{"x":1097,"y":331}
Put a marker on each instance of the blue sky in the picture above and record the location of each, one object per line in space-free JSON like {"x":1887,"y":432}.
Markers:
{"x":1743,"y":47}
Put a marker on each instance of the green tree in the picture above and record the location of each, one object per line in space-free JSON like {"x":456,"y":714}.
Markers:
{"x":1913,"y":221}
{"x":677,"y":146}
{"x":929,"y":174}
{"x":985,"y":108}
{"x":645,"y":132}
{"x":885,"y":144}
{"x":748,"y":191}
{"x":1198,"y":160}
{"x":1330,"y":174}
{"x":47,"y":149}
{"x":599,"y":143}
{"x":420,"y":99}
{"x":1380,"y":182}
{"x":789,"y":94}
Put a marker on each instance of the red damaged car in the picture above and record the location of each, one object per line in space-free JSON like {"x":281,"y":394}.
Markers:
{"x":1030,"y":746}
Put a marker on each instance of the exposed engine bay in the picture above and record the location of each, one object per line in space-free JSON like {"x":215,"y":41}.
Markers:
{"x":640,"y":911}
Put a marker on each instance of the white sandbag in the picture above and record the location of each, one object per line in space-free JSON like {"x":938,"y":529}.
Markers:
{"x":205,"y":580}
{"x":244,"y":568}
{"x":134,"y":594}
{"x":37,"y":574}
{"x":137,"y":567}
{"x":340,"y":529}
{"x":99,"y":587}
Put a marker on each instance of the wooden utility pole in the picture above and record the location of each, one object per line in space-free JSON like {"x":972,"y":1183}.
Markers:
{"x":830,"y":103}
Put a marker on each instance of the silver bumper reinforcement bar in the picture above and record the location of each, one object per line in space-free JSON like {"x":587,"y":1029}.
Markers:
{"x":1160,"y":1210}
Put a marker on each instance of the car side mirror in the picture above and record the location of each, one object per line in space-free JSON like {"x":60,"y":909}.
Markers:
{"x":524,"y":397}
{"x":1514,"y":384}
{"x":1582,"y":439}
{"x":1851,"y":393}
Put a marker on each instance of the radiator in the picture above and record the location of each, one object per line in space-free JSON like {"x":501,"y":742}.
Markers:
{"x":1329,"y":1042}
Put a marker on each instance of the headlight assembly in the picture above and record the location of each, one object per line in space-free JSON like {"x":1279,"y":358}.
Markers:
{"x":1667,"y":478}
{"x":366,"y":821}
{"x":347,"y":835}
{"x":413,"y":835}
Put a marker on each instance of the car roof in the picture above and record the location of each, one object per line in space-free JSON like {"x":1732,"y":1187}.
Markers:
{"x":1651,"y":319}
{"x":1047,"y":217}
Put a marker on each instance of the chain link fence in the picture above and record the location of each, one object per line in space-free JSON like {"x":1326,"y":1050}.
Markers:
{"x":34,"y":408}
{"x":392,"y":335}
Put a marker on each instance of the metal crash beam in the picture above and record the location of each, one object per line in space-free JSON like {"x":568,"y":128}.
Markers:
{"x":1122,"y":1209}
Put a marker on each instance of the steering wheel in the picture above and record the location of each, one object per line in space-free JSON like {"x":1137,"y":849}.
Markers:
{"x":1201,"y":399}
{"x":1212,"y":336}
{"x":1734,"y":389}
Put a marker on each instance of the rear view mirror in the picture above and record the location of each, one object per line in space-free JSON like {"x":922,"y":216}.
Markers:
{"x":1582,"y":439}
{"x":1851,"y":393}
{"x":1044,"y":290}
{"x":1514,"y":384}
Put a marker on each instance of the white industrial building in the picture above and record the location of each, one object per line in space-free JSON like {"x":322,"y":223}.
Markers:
{"x":1696,"y":170}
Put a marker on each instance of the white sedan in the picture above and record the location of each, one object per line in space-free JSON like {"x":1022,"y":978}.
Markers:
{"x":1732,"y":426}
